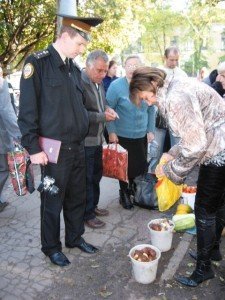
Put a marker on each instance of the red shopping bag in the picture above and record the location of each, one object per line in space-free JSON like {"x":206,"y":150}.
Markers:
{"x":115,"y":162}
{"x":20,"y":170}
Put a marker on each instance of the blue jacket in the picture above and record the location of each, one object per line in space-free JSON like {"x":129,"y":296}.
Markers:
{"x":134,"y":122}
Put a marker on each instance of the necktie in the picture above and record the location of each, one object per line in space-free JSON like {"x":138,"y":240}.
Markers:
{"x":67,"y":63}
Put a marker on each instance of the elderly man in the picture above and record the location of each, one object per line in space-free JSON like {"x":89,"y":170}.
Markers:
{"x":96,"y":69}
{"x":52,"y":106}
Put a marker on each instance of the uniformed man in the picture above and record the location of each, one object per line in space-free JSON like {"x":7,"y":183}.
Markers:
{"x":51,"y":105}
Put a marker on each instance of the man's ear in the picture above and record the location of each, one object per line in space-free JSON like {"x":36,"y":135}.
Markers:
{"x":65,"y":36}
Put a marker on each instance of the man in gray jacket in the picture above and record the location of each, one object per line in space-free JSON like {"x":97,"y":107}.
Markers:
{"x":9,"y":130}
{"x":94,"y":94}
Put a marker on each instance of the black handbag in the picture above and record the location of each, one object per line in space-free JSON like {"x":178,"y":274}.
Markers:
{"x":145,"y":192}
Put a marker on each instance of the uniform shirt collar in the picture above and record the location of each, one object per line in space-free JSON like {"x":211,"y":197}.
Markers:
{"x":57,"y":57}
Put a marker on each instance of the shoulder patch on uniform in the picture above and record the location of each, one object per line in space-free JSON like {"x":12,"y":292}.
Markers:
{"x":41,"y":54}
{"x":28,"y":71}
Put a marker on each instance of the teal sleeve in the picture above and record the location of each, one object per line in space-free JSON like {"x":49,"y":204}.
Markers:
{"x":112,"y":101}
{"x":151,"y":118}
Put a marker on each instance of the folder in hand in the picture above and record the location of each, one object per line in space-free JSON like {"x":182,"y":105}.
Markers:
{"x":51,"y":148}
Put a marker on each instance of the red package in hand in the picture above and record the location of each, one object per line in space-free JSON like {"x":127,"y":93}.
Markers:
{"x":115,"y":162}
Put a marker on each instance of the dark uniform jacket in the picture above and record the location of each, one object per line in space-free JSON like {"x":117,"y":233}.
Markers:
{"x":51,"y":101}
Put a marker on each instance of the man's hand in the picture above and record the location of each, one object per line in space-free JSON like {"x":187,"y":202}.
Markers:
{"x":150,"y":137}
{"x":113,"y":138}
{"x":110,"y":114}
{"x":39,"y":158}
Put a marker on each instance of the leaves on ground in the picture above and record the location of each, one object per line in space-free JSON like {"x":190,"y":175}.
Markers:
{"x":104,"y":293}
{"x":190,"y":265}
{"x":188,"y":273}
{"x":95,"y":266}
{"x":216,"y":263}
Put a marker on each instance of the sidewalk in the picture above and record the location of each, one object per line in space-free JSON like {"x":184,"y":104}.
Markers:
{"x":25,"y":273}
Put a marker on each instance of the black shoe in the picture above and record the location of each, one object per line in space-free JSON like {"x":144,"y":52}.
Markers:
{"x":59,"y":259}
{"x":196,"y":278}
{"x":85,"y":247}
{"x":215,"y":255}
{"x":125,"y":200}
{"x":3,"y":205}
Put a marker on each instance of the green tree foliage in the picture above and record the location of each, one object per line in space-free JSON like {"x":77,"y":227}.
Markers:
{"x":159,"y":24}
{"x":201,"y":15}
{"x":120,"y":27}
{"x":25,"y":26}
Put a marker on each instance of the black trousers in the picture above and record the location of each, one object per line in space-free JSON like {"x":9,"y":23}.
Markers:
{"x":70,"y":177}
{"x":137,"y":158}
{"x":211,"y":188}
{"x":93,"y":157}
{"x":209,"y":210}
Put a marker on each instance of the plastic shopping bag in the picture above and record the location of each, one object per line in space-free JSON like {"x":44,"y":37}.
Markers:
{"x":167,"y":192}
{"x":20,"y":170}
{"x":115,"y":162}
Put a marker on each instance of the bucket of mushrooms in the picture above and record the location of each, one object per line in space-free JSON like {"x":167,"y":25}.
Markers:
{"x":161,"y":232}
{"x":144,"y":260}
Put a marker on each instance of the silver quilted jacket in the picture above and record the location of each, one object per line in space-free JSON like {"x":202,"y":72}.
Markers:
{"x":196,"y":114}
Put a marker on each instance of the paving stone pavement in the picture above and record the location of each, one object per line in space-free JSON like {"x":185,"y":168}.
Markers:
{"x":25,"y":273}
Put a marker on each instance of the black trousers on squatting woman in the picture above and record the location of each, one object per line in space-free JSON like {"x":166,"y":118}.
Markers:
{"x":210,"y":221}
{"x":137,"y":165}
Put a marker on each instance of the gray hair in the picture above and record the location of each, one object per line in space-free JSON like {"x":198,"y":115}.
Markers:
{"x":132,"y":57}
{"x":96,"y":54}
{"x":221,"y":67}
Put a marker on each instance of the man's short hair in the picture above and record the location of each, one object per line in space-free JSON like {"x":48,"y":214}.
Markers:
{"x":94,"y":55}
{"x":134,"y":56}
{"x":171,"y":49}
{"x":72,"y":32}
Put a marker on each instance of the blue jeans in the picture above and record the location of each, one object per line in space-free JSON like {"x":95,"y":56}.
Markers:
{"x":160,"y":135}
{"x":93,"y":156}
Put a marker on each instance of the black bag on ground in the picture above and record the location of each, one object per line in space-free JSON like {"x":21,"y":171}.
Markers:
{"x":145,"y":192}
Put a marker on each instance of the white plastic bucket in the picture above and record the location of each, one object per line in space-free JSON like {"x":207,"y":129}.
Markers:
{"x":144,"y":272}
{"x":161,"y":239}
{"x":189,"y":198}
